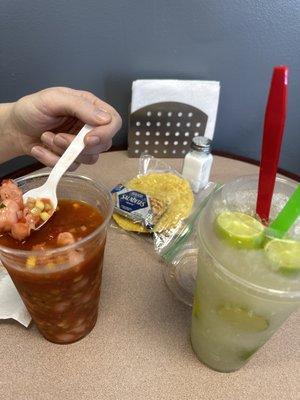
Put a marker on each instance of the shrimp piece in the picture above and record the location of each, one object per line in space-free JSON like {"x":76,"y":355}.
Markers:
{"x":11,"y":205}
{"x":20,"y":214}
{"x":65,"y":238}
{"x":24,"y":224}
{"x":40,"y":246}
{"x":20,"y":231}
{"x":8,"y":215}
{"x":10,"y":191}
{"x":75,"y":257}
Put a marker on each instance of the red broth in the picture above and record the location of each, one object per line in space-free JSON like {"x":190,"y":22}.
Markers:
{"x":61,"y":289}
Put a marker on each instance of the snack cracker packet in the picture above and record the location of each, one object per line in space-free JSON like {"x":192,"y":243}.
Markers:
{"x":137,"y":206}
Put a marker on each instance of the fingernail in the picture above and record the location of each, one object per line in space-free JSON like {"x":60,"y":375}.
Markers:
{"x":102,"y":115}
{"x":93,"y":140}
{"x":46,"y":136}
{"x":37,"y":152}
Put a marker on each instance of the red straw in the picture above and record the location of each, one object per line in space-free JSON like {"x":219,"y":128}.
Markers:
{"x":272,"y":138}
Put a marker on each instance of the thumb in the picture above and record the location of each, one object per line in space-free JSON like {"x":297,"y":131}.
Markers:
{"x":69,"y":104}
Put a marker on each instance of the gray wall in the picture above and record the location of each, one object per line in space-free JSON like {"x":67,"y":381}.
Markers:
{"x":102,"y":45}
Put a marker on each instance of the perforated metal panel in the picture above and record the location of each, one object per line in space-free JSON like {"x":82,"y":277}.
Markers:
{"x":164,"y":129}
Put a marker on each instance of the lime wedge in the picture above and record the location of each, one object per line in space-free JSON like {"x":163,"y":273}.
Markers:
{"x":240,"y":230}
{"x":242,"y":319}
{"x":284,"y":255}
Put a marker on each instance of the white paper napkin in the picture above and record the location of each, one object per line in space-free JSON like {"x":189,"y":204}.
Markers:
{"x":11,"y":304}
{"x":203,"y":95}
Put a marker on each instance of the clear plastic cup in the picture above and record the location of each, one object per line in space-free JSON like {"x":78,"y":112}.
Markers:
{"x":63,"y":298}
{"x":240,"y":300}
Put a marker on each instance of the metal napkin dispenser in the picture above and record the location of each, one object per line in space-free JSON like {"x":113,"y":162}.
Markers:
{"x":164,"y":129}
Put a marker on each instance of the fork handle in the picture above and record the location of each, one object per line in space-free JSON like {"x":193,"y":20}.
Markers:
{"x":69,"y":156}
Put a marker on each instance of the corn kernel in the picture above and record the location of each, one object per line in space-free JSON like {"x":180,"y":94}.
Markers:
{"x":31,"y":262}
{"x":40,"y":204}
{"x":47,"y":207}
{"x":30,"y":205}
{"x":44,"y":216}
{"x":35,"y":211}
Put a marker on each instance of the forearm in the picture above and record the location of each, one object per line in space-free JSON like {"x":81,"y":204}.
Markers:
{"x":8,"y":145}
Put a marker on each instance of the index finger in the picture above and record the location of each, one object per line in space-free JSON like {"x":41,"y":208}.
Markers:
{"x":97,"y":101}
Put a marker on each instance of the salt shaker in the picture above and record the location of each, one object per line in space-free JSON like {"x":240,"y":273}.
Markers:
{"x":197,"y":163}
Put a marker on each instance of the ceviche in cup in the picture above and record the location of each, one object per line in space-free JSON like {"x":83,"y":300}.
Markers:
{"x":57,"y":269}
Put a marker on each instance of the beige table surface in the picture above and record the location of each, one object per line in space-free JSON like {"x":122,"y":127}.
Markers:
{"x":140,"y":347}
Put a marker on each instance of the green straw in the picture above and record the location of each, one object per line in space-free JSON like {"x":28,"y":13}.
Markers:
{"x":287,"y":216}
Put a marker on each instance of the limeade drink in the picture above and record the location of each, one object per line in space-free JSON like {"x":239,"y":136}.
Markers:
{"x":248,"y":283}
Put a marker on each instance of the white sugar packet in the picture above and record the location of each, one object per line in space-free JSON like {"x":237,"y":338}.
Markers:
{"x":203,"y":95}
{"x":11,"y":304}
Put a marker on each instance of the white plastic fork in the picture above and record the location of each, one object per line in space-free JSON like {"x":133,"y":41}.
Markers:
{"x":48,"y":189}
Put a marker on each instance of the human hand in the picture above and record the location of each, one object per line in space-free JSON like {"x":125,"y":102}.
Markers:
{"x":44,"y":124}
